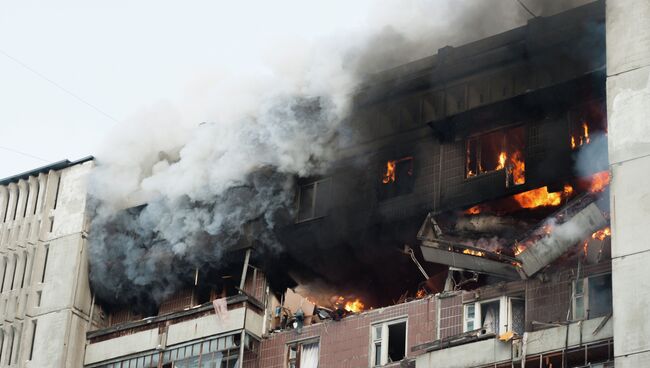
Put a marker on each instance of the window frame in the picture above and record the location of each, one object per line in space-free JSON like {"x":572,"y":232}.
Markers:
{"x":505,"y":313}
{"x":315,"y":184}
{"x":299,"y":344}
{"x":384,"y":341}
{"x":575,"y":295}
{"x":476,"y":138}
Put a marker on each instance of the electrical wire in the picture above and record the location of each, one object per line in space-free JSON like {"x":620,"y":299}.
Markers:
{"x":526,"y":8}
{"x":24,"y":154}
{"x":75,"y":96}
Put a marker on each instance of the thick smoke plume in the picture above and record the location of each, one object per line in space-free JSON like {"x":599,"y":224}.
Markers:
{"x":205,"y":188}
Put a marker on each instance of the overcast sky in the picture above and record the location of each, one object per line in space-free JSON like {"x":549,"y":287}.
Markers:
{"x":121,"y":56}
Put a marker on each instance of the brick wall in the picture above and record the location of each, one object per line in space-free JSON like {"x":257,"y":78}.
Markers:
{"x":346,"y":343}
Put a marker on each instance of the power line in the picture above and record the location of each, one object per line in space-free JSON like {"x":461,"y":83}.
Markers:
{"x":58,"y":85}
{"x":525,"y":7}
{"x":24,"y":154}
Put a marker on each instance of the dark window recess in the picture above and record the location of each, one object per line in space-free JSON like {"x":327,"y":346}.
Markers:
{"x":587,"y":124}
{"x":313,"y":200}
{"x":396,"y":178}
{"x":396,"y":342}
{"x":600,"y":296}
{"x":500,"y":150}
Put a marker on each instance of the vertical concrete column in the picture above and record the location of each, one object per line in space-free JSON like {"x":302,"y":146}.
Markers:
{"x":23,"y":195}
{"x":33,"y":196}
{"x":13,"y":199}
{"x":628,"y":109}
{"x":4,"y":199}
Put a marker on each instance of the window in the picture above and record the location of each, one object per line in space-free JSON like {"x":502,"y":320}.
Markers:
{"x":313,"y":199}
{"x":396,"y":178}
{"x":496,"y":316}
{"x":303,"y":354}
{"x":499,"y":150}
{"x":31,"y":345}
{"x":388,"y":342}
{"x":592,"y":297}
{"x":47,"y":253}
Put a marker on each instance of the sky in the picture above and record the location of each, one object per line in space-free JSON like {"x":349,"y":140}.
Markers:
{"x":73,"y":72}
{"x":122,"y":56}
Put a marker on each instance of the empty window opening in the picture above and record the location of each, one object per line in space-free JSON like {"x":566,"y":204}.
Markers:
{"x":4,"y":274}
{"x":16,"y":205}
{"x":500,"y":150}
{"x":592,"y":297}
{"x":26,"y":202}
{"x":56,"y":194}
{"x":303,"y":355}
{"x":25,"y":260}
{"x":388,"y":342}
{"x":6,"y":210}
{"x":313,"y":200}
{"x":15,"y":269}
{"x":586,"y":123}
{"x":39,"y":294}
{"x":47,"y":253}
{"x":10,"y":348}
{"x":396,"y":178}
{"x":51,"y":224}
{"x":36,"y":199}
{"x":31,"y":344}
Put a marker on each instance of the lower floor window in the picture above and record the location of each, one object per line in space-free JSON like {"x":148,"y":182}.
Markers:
{"x":303,"y":355}
{"x":388,"y":342}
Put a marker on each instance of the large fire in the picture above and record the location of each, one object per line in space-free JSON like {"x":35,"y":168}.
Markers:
{"x":541,"y":197}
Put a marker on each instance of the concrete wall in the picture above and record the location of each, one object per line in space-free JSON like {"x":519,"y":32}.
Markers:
{"x":628,"y":102}
{"x":42,"y":249}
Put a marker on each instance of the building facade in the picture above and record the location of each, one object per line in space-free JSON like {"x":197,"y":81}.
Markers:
{"x":45,"y":297}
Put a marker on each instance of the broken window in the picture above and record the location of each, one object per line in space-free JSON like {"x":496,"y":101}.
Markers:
{"x":586,"y":122}
{"x":388,"y":342}
{"x":396,"y":178}
{"x":592,"y":297}
{"x":313,"y":199}
{"x":303,"y":355}
{"x":497,"y":316}
{"x":499,"y":150}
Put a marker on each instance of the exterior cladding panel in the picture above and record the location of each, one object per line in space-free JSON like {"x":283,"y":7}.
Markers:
{"x":346,"y":343}
{"x":451,"y":316}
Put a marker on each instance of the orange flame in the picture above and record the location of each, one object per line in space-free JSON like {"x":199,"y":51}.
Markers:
{"x":473,"y":210}
{"x":355,"y":306}
{"x":518,"y":168}
{"x":541,"y":197}
{"x":599,"y":181}
{"x":602,"y":234}
{"x":474,"y":252}
{"x":582,"y":138}
{"x":389,"y":175}
{"x":421,"y":294}
{"x":502,"y":161}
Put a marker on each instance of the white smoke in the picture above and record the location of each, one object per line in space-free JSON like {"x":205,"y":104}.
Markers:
{"x":231,"y":180}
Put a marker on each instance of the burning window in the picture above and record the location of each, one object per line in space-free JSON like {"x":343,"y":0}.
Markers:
{"x":500,"y":150}
{"x":312,"y":200}
{"x":303,"y":355}
{"x":388,"y":342}
{"x":396,"y":178}
{"x":587,"y":122}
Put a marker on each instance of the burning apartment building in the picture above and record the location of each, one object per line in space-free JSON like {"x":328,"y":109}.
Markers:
{"x":475,"y":222}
